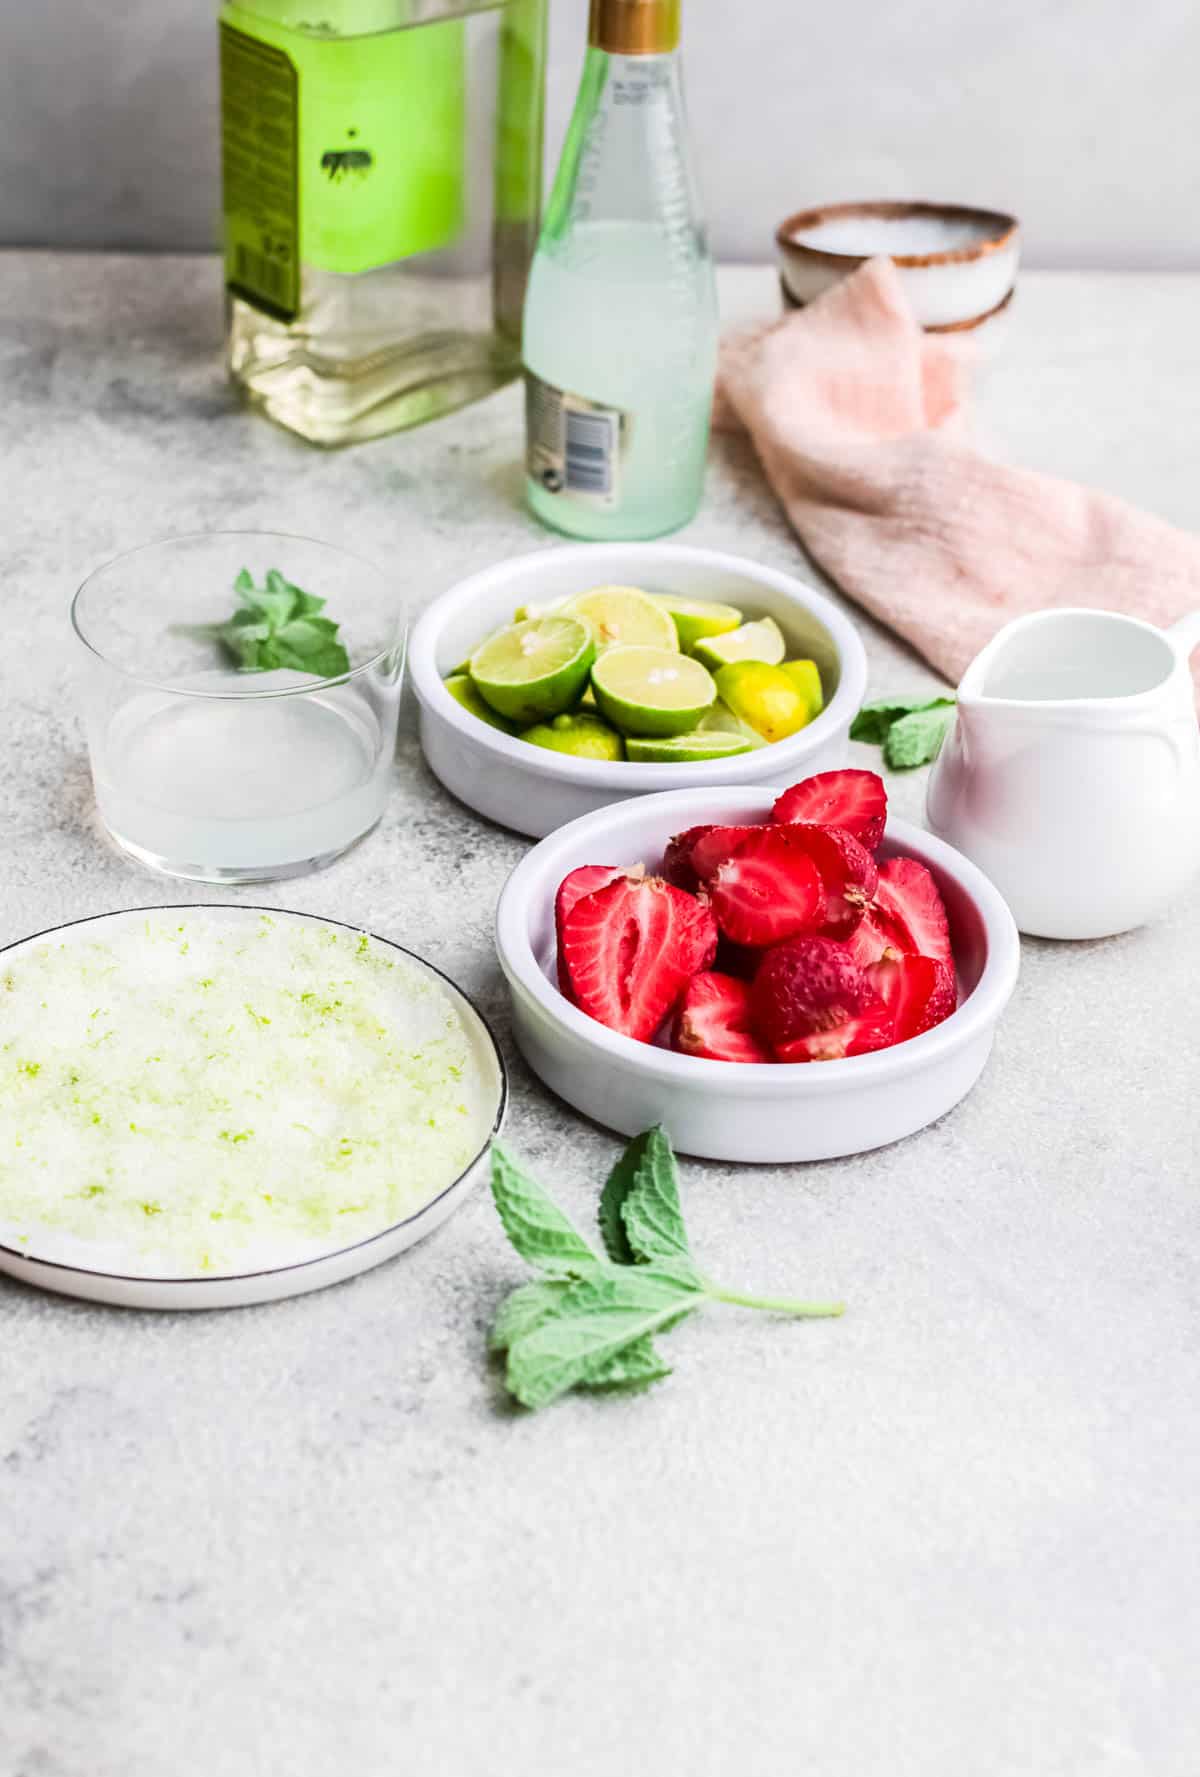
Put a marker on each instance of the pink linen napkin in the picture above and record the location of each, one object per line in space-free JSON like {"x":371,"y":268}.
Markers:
{"x":856,"y":416}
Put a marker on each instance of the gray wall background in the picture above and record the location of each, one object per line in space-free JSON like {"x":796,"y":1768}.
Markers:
{"x":1080,"y":115}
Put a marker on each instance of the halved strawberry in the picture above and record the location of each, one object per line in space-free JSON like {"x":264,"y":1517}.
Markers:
{"x":848,"y":873}
{"x":812,"y":1002}
{"x":909,"y":910}
{"x":769,"y":889}
{"x":870,"y":939}
{"x":572,"y":888}
{"x":714,"y":1020}
{"x":694,"y":857}
{"x":629,"y":949}
{"x":918,"y":992}
{"x":855,"y":800}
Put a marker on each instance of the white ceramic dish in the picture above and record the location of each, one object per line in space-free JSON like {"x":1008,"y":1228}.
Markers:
{"x":725,"y":1110}
{"x":958,"y":265}
{"x":534,"y":791}
{"x":126,"y":1279}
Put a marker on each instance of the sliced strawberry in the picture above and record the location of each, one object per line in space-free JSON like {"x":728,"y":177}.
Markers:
{"x":769,"y":889}
{"x":855,"y":800}
{"x":714,"y":1020}
{"x":694,"y":857}
{"x":848,"y":873}
{"x":629,"y":949}
{"x":870,"y":940}
{"x":572,"y":888}
{"x":918,"y":992}
{"x":812,"y":1002}
{"x":909,"y":910}
{"x":857,"y":1036}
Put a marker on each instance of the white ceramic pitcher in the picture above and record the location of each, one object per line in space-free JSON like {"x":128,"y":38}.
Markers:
{"x":1072,"y":775}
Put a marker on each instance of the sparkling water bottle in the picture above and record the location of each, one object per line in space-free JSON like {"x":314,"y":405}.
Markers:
{"x":620,"y":338}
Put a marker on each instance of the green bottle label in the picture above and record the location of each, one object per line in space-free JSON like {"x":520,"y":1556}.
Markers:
{"x":260,"y":174}
{"x":375,"y":143}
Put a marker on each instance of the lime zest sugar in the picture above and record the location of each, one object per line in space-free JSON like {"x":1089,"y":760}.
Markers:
{"x":226,"y":1095}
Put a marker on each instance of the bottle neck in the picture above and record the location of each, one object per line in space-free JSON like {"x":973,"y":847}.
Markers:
{"x":634,"y":27}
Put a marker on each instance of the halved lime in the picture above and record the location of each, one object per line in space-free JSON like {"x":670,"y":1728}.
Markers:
{"x":806,"y":677}
{"x":694,"y":619}
{"x":684,"y":749}
{"x":765,"y":696}
{"x":721,"y":720}
{"x":623,"y":617}
{"x":652,"y":690}
{"x":536,"y":668}
{"x":582,"y":736}
{"x":761,"y":640}
{"x":462,"y":689}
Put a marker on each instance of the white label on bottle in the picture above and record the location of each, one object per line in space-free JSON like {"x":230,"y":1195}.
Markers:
{"x":573,"y":446}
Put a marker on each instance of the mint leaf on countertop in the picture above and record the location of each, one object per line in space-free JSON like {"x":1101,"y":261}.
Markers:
{"x":916,"y":739}
{"x":535,"y":1224}
{"x":598,"y":1318}
{"x":278,"y":626}
{"x":651,"y":1213}
{"x":591,"y":1324}
{"x":919,"y":727}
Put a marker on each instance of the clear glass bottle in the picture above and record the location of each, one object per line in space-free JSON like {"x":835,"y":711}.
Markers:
{"x":621,"y":315}
{"x":382,"y":175}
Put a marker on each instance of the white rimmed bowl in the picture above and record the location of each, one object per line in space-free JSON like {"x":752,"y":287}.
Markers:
{"x":535,"y":791}
{"x":722,"y":1110}
{"x":958,"y":264}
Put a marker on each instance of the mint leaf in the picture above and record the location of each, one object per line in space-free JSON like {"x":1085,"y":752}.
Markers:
{"x":917,"y":738}
{"x":651,"y":1213}
{"x":591,"y":1322}
{"x":598,"y":1317}
{"x":874,"y":721}
{"x":525,"y":1309}
{"x":633,"y":1369}
{"x":278,"y":626}
{"x":617,"y":1187}
{"x":534,"y":1223}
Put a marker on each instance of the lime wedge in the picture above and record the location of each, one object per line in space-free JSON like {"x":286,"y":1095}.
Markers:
{"x":536,"y":668}
{"x":652,"y":690}
{"x":806,"y":676}
{"x":583,"y":737}
{"x":762,"y":640}
{"x":765,"y":696}
{"x":721,"y":720}
{"x":623,"y":617}
{"x":694,"y":619}
{"x":462,"y":689}
{"x":684,"y":749}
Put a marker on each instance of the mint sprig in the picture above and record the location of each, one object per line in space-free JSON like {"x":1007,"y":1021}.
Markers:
{"x":591,"y":1321}
{"x":278,"y":626}
{"x":910,"y":732}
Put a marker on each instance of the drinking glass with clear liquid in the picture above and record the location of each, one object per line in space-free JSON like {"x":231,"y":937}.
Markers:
{"x":204,"y":769}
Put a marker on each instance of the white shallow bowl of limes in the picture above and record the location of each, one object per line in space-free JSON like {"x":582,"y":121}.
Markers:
{"x":534,"y":789}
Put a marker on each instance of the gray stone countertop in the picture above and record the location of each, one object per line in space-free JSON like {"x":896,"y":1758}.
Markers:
{"x":954,"y":1533}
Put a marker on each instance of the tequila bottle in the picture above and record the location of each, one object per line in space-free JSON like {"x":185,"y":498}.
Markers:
{"x":381,"y":165}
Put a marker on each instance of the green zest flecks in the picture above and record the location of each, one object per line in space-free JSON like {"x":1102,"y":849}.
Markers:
{"x":243,"y":1095}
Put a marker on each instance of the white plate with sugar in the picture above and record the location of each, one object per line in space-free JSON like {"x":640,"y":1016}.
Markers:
{"x":209,"y":1106}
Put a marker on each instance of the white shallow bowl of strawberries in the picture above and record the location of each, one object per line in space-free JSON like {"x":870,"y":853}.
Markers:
{"x":774,"y":975}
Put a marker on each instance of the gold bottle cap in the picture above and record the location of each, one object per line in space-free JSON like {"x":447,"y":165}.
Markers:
{"x":634,"y":27}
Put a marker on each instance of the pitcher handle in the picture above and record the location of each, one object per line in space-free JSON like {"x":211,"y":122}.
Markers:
{"x":1185,"y":635}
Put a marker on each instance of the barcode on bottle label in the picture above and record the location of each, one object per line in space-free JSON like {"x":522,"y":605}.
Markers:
{"x":263,"y":273}
{"x":574,"y":446}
